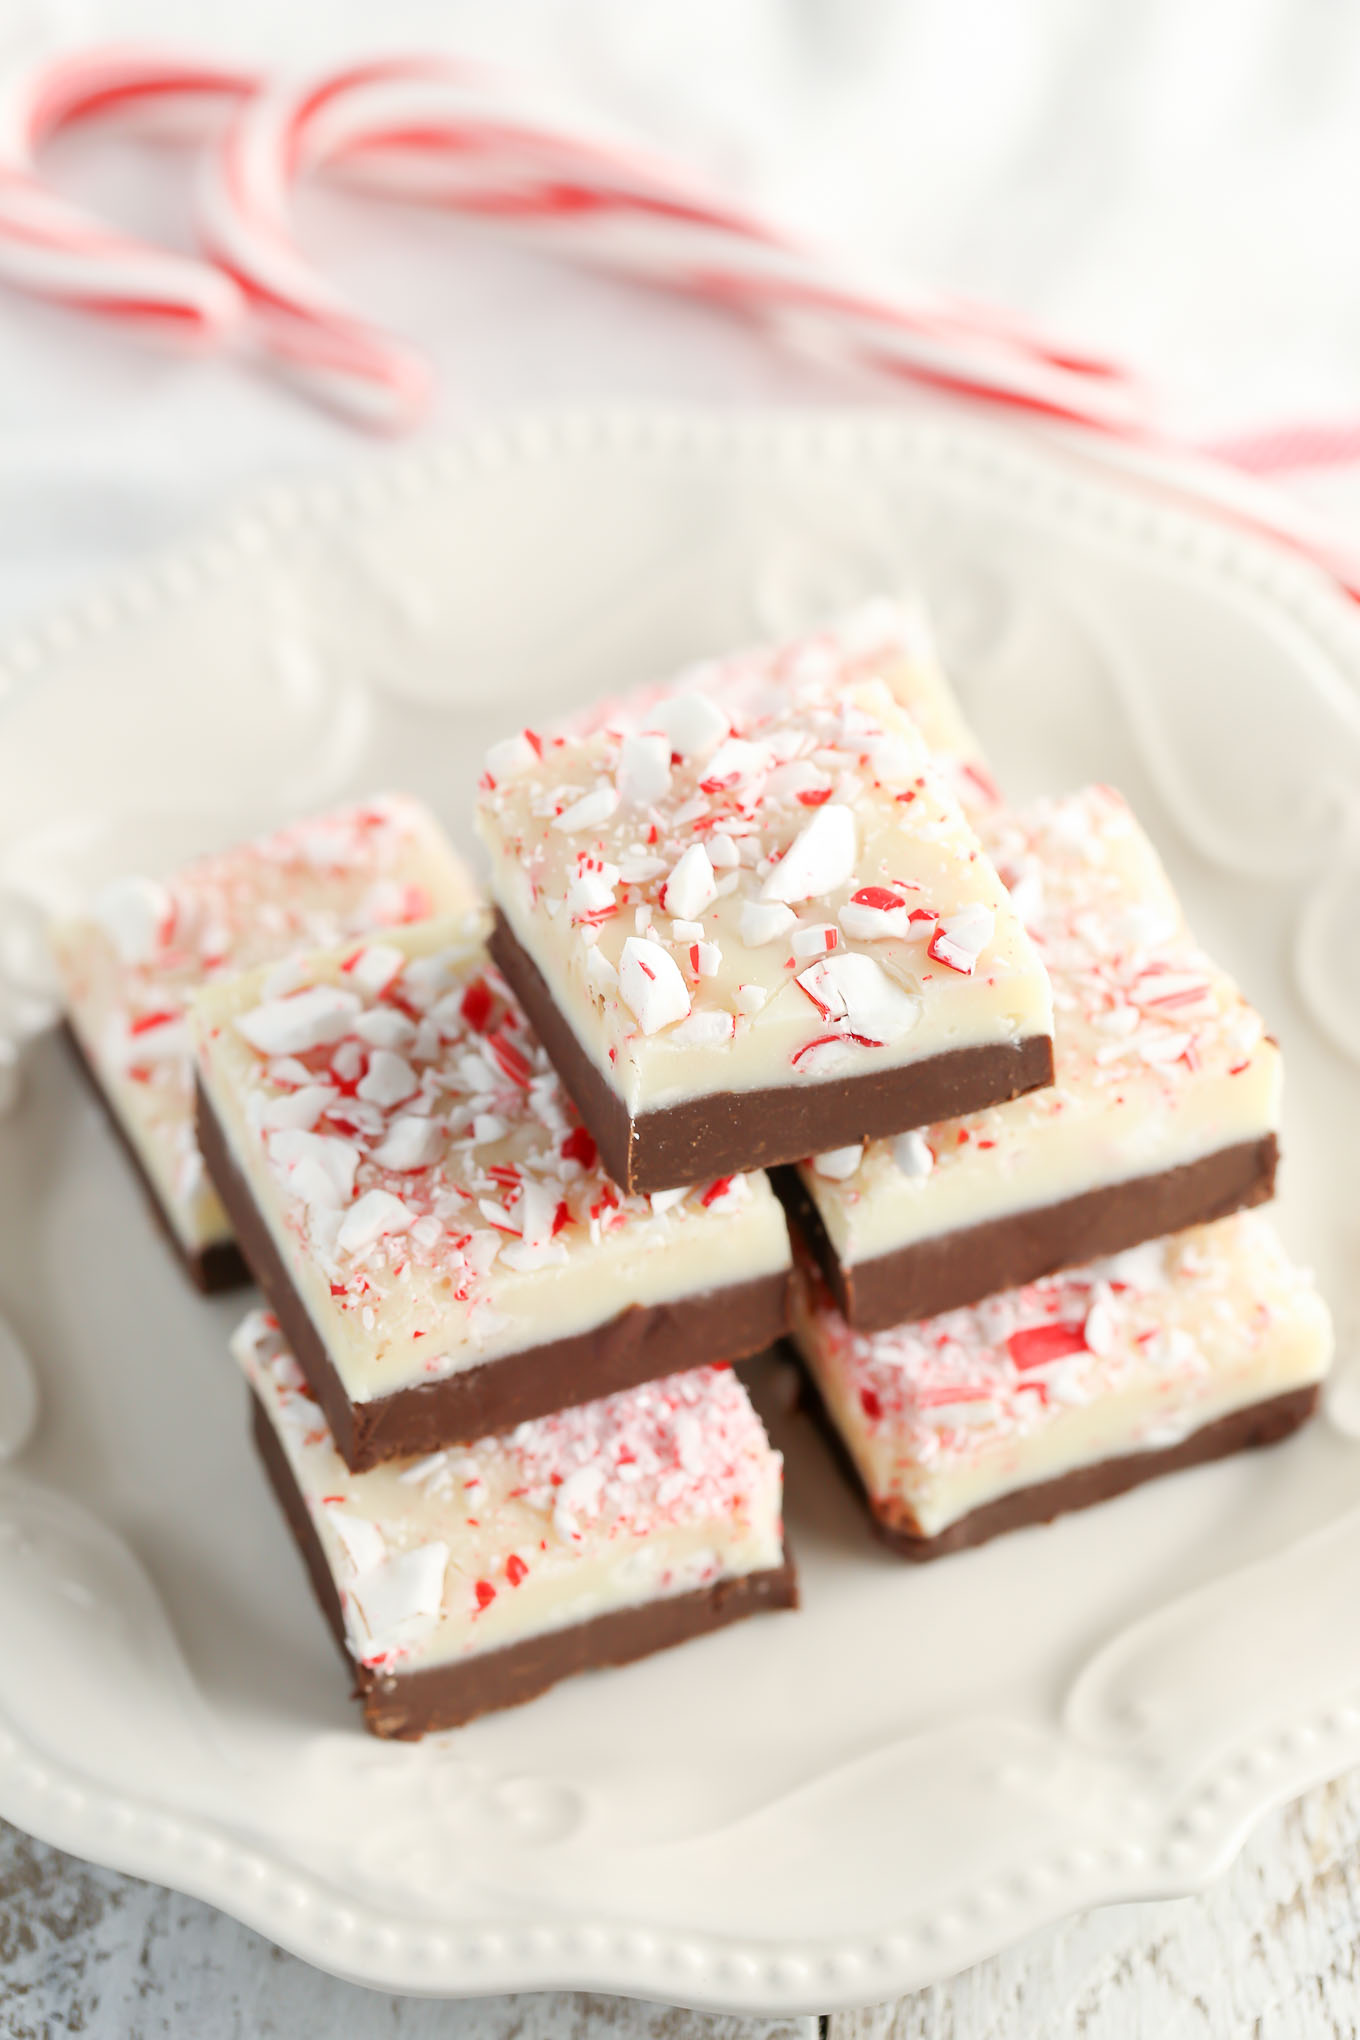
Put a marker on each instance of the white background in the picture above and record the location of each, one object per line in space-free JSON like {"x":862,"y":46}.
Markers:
{"x":1174,"y":181}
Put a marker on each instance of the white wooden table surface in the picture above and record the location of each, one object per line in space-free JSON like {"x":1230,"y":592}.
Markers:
{"x":1272,"y":1950}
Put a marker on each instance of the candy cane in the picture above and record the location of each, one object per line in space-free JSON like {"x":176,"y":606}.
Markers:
{"x":452,"y":135}
{"x":441,"y":132}
{"x":446,"y":133}
{"x":59,"y":251}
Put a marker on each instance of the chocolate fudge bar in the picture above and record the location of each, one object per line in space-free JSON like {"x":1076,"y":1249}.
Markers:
{"x":749,"y":921}
{"x":130,"y":966}
{"x":1069,"y":1390}
{"x":1162,"y":1115}
{"x":428,"y":1216}
{"x":473,"y":1579}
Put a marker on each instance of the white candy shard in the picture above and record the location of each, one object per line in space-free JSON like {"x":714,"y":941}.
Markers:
{"x":317,"y":1167}
{"x":589,"y":811}
{"x":961,"y":938}
{"x":135,"y":914}
{"x":874,"y":915}
{"x":820,"y":858}
{"x":815,"y":940}
{"x":852,"y":990}
{"x":376,"y":1214}
{"x":644,"y":770}
{"x":388,"y":1080}
{"x":411,"y":1143}
{"x":764,"y":921}
{"x":376,"y":967}
{"x":703,"y":1030}
{"x":511,"y":756}
{"x":691,"y":886}
{"x":912,"y":1153}
{"x":693,"y":724}
{"x":361,"y":1540}
{"x":400,"y":1600}
{"x":839,"y":1163}
{"x":310,"y":1019}
{"x":650,"y":984}
{"x":298,"y":1109}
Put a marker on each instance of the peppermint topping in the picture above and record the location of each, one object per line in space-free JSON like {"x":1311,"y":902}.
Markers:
{"x":302,"y":1020}
{"x":961,"y":938}
{"x":433,"y":1545}
{"x":856,"y":993}
{"x":398,"y":1602}
{"x":691,"y":886}
{"x":912,"y":1153}
{"x":589,"y":811}
{"x":1143,"y":1019}
{"x":421,"y":1182}
{"x":644,"y":773}
{"x":137,"y":915}
{"x":650,"y":984}
{"x":820,"y":858}
{"x":839,"y":1163}
{"x":775,"y":808}
{"x":963,"y":1388}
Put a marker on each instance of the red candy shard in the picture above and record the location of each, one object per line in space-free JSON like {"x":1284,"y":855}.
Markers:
{"x":876,"y":896}
{"x":579,"y":1147}
{"x":485,"y":1593}
{"x":476,"y":1006}
{"x":515,"y":1569}
{"x":1042,"y":1344}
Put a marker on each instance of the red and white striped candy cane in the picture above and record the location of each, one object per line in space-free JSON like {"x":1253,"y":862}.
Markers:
{"x":59,"y":251}
{"x":434,"y":130}
{"x":451,"y":134}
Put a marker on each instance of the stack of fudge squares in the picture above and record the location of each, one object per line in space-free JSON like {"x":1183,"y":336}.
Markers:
{"x":502,"y":1174}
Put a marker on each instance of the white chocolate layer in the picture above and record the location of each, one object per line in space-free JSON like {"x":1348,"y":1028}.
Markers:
{"x":1159,"y":1060}
{"x":756,"y":877}
{"x":130,"y":967}
{"x":1130,"y":1354}
{"x":425,"y":1178}
{"x":659,"y":1491}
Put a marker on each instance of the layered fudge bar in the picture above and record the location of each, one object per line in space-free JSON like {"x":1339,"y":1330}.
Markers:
{"x":421,"y":1204}
{"x":475,"y":1578}
{"x":1162,"y":1114}
{"x":131,"y":965}
{"x":759,"y":925}
{"x":1069,"y":1390}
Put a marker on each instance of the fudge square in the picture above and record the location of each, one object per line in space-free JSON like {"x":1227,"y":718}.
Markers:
{"x":475,"y":1578}
{"x":418,"y":1199}
{"x":759,"y":925}
{"x":1163,"y":1111}
{"x":131,"y":965}
{"x":1069,"y":1390}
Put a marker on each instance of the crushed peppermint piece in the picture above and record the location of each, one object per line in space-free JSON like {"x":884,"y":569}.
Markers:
{"x":691,"y":885}
{"x":300,"y":1021}
{"x":819,"y":859}
{"x":838,"y":1164}
{"x":650,"y":985}
{"x":960,"y":938}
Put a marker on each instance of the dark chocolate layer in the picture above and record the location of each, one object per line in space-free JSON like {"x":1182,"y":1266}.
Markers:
{"x":211,"y":1269}
{"x":961,"y":1267}
{"x":411,"y":1704}
{"x":730,"y":1131}
{"x":644,"y":1343}
{"x":1262,"y":1423}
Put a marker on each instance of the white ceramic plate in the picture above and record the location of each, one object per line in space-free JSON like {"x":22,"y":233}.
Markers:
{"x":806,"y":1811}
